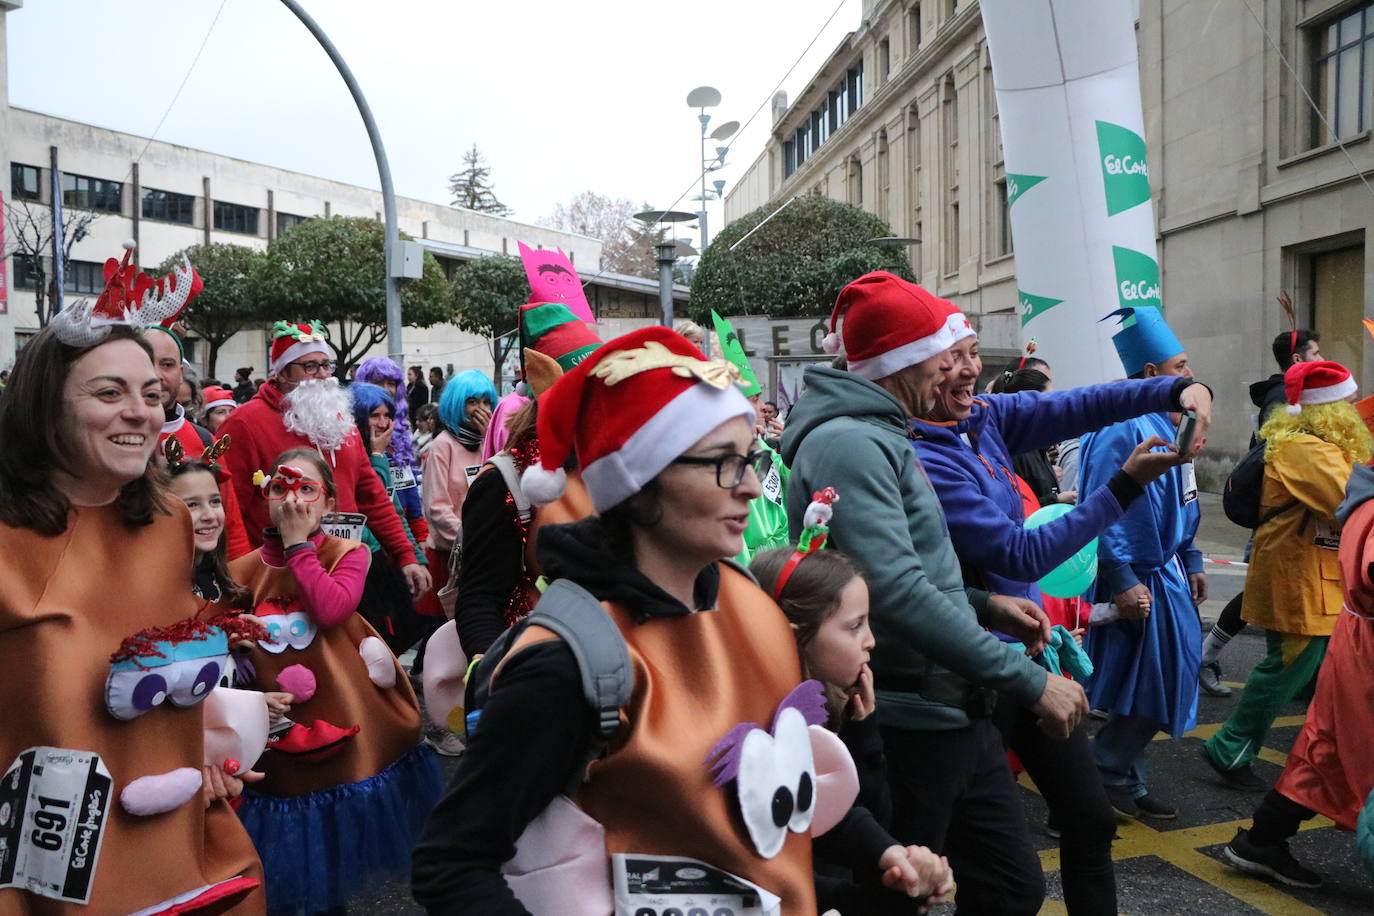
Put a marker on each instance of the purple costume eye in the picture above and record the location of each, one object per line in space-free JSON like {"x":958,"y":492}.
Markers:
{"x":206,"y":679}
{"x":150,"y":691}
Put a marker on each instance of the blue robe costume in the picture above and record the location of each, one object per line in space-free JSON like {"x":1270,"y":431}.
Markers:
{"x":1146,"y":668}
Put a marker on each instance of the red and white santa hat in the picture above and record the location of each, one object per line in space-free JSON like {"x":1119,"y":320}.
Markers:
{"x":630,"y":408}
{"x":291,"y":340}
{"x":890,"y":324}
{"x":214,"y":396}
{"x":1316,"y":383}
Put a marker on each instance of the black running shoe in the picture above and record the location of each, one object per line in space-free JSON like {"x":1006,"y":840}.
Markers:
{"x":1268,"y":861}
{"x":1242,"y":778}
{"x":1152,"y":806}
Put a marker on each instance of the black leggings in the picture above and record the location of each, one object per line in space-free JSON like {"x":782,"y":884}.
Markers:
{"x":1277,"y":818}
{"x":1071,"y":785}
{"x":1230,"y":621}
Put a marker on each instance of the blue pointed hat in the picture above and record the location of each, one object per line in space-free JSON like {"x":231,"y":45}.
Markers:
{"x":1144,"y":337}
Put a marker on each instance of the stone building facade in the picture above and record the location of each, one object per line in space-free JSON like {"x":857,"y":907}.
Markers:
{"x":1253,"y":195}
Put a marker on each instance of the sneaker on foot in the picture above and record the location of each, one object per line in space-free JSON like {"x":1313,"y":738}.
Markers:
{"x":445,"y":743}
{"x":1209,"y":679}
{"x":1152,"y":806}
{"x":1269,"y":861}
{"x":1052,"y":826}
{"x":1122,"y":802}
{"x":1242,"y":778}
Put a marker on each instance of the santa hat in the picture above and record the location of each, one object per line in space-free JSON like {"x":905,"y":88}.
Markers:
{"x":291,"y":341}
{"x":890,"y":324}
{"x":214,"y":396}
{"x":1316,"y":383}
{"x":629,"y":409}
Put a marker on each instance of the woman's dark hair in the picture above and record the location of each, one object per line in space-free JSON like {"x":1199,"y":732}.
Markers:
{"x":292,"y":455}
{"x":216,"y":561}
{"x":813,"y":589}
{"x":1022,"y":380}
{"x":1021,"y":363}
{"x":618,"y":523}
{"x":32,"y":446}
{"x":522,"y":423}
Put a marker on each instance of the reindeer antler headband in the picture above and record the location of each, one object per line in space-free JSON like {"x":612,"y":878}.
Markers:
{"x":130,"y":298}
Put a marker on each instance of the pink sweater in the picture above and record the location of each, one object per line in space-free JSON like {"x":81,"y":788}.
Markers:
{"x":330,"y":599}
{"x":444,"y":487}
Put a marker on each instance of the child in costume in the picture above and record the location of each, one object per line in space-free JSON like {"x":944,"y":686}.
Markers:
{"x":196,"y":483}
{"x":825,"y":598}
{"x":347,"y":781}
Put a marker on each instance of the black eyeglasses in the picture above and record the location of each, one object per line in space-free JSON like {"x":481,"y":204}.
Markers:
{"x":729,"y":468}
{"x":315,"y":367}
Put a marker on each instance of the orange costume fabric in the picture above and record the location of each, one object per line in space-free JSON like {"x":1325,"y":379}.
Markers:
{"x":696,"y":677}
{"x":66,"y":603}
{"x":1329,"y":768}
{"x":345,"y":697}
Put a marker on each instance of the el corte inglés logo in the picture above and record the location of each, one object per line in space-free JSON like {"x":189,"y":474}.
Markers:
{"x":1020,"y":184}
{"x":1031,"y":306}
{"x":1137,"y":278}
{"x":1125,"y":174}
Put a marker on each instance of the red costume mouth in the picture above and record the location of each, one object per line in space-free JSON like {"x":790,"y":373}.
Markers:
{"x":313,"y":742}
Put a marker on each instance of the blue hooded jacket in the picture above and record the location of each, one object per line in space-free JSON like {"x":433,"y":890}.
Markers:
{"x":969,"y":462}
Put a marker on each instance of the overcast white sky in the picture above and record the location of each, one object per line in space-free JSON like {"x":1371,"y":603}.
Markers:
{"x":559,"y":96}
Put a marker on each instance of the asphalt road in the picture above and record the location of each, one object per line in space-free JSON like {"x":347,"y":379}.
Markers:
{"x":1176,"y":868}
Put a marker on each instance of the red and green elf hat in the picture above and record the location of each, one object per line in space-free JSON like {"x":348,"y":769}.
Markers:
{"x":552,"y":329}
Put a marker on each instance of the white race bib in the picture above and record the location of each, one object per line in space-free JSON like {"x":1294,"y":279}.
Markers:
{"x":1326,"y":537}
{"x":1189,"y":483}
{"x":402,"y":475}
{"x":649,"y":885}
{"x":344,"y":525}
{"x":53,"y":803}
{"x":471,"y":472}
{"x":772,"y":484}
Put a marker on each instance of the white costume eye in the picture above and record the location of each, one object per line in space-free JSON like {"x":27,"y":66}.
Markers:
{"x":192,"y":680}
{"x":295,"y":630}
{"x":777,"y":782}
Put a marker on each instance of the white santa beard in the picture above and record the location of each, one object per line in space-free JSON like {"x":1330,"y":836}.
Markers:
{"x":320,"y":410}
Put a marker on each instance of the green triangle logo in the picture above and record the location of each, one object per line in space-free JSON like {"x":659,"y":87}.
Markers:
{"x":1137,"y":278}
{"x":1020,"y":184}
{"x":1031,"y":306}
{"x":1125,"y":173}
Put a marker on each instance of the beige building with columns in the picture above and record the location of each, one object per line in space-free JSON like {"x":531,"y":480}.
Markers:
{"x":1252,"y":194}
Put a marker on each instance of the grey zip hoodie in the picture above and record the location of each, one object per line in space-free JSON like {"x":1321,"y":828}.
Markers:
{"x":1359,"y":489}
{"x":846,"y":432}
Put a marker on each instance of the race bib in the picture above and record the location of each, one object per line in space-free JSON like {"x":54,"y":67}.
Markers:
{"x":344,"y":525}
{"x":772,"y":485}
{"x":402,"y":475}
{"x":471,"y":471}
{"x":1189,"y":487}
{"x":53,"y":804}
{"x":1326,"y":537}
{"x":648,"y":885}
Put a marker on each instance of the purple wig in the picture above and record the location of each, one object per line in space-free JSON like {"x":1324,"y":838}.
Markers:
{"x":378,"y":369}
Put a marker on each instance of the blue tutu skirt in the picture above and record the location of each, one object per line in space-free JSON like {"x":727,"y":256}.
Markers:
{"x":320,"y":850}
{"x":1149,"y":667}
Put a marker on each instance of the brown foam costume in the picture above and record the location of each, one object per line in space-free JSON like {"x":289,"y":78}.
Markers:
{"x":345,"y":696}
{"x":66,"y":603}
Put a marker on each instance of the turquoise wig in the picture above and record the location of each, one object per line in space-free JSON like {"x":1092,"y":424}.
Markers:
{"x":470,"y":384}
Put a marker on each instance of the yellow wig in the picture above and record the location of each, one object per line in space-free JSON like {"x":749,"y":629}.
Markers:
{"x":1337,"y":422}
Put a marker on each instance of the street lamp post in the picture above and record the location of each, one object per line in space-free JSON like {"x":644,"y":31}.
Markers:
{"x":666,"y":253}
{"x":393,"y":254}
{"x":702,"y":98}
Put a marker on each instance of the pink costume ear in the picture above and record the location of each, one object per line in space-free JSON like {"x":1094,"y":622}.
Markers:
{"x":443,"y":680}
{"x":235,"y":726}
{"x":148,"y":795}
{"x":837,"y":781}
{"x":381,"y":664}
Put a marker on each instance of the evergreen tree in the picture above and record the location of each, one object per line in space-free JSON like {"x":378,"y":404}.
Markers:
{"x":471,"y":187}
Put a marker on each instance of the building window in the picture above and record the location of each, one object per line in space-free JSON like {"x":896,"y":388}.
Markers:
{"x":884,"y":60}
{"x":950,"y":126}
{"x":856,"y":181}
{"x":789,"y":157}
{"x":83,"y":277}
{"x":86,"y":193}
{"x":854,"y":84}
{"x":884,"y":176}
{"x":236,"y":218}
{"x":169,"y":206}
{"x":24,"y":182}
{"x":1336,"y":291}
{"x":1342,"y":63}
{"x":913,"y":29}
{"x":1001,"y":236}
{"x":286,"y":220}
{"x":25,"y":272}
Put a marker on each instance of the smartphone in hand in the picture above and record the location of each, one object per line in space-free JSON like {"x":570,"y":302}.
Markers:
{"x":1183,"y":436}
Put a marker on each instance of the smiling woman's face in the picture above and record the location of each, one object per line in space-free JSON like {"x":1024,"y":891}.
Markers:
{"x":954,"y":396}
{"x":112,"y":402}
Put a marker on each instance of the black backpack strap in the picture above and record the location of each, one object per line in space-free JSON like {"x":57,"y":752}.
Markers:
{"x":1275,"y":513}
{"x":603,"y":659}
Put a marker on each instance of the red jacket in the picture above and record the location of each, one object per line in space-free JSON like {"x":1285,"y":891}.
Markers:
{"x":259,"y":436}
{"x":235,"y":535}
